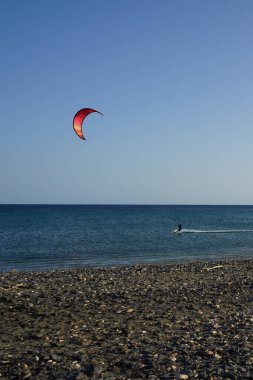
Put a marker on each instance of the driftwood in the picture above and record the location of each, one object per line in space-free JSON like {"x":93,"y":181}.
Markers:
{"x":215,"y":267}
{"x":13,"y":287}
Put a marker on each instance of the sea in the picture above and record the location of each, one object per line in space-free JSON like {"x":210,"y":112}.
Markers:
{"x":50,"y":237}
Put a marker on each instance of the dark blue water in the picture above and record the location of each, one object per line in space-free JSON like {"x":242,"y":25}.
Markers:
{"x":41,"y":237}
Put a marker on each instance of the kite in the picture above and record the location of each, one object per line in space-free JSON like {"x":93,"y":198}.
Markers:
{"x":79,"y":118}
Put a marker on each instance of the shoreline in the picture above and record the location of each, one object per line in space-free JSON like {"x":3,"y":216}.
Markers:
{"x":169,"y":262}
{"x":190,"y":320}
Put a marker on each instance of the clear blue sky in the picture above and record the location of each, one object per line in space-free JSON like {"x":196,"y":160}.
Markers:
{"x":174,"y":80}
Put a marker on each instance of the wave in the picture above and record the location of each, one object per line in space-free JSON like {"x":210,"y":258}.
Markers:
{"x":190,"y":231}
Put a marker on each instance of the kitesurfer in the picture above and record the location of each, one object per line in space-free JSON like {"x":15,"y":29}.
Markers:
{"x":179,"y":228}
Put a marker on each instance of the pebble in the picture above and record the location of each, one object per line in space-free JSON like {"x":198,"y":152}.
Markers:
{"x":97,"y":369}
{"x":141,"y":322}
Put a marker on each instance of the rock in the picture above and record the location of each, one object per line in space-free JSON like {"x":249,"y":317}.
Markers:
{"x":81,"y":376}
{"x":136,"y":323}
{"x":97,"y":369}
{"x":26,"y":373}
{"x":56,"y":358}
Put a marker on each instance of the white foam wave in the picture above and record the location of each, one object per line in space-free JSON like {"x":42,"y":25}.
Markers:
{"x":189,"y":231}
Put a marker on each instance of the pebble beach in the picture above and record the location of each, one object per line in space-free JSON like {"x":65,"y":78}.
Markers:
{"x":175,"y":321}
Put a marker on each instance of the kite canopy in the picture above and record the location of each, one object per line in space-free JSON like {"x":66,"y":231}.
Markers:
{"x":79,"y":118}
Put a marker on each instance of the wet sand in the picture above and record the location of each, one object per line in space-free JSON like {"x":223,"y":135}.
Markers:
{"x":180,"y":321}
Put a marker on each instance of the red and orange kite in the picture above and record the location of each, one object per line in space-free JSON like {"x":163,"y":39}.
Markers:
{"x":79,"y":118}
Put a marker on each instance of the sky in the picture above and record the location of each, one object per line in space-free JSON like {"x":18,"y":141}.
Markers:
{"x":173,"y":79}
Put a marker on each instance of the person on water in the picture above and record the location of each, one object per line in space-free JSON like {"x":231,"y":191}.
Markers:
{"x":179,"y":228}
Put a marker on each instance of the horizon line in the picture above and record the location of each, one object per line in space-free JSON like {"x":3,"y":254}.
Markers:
{"x":125,"y":204}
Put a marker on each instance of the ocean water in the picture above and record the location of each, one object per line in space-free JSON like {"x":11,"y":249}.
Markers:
{"x":47,"y":237}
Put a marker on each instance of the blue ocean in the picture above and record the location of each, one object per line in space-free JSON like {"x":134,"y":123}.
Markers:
{"x":48,"y":237}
